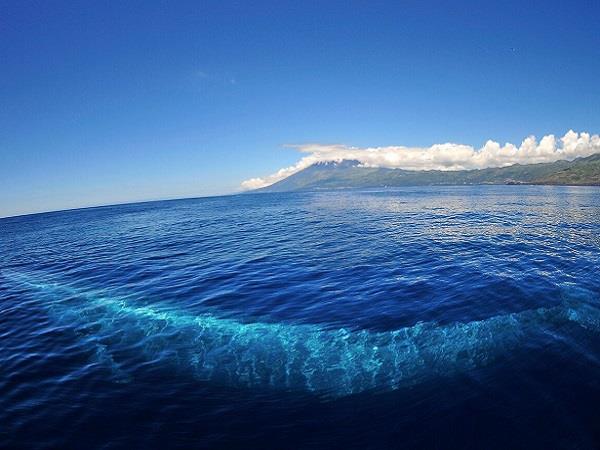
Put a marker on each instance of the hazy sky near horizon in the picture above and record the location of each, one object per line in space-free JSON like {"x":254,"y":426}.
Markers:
{"x":109,"y":102}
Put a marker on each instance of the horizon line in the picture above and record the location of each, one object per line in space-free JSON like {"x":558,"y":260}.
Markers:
{"x":108,"y":205}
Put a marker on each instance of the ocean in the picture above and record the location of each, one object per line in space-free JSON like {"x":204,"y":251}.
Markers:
{"x":429,"y":317}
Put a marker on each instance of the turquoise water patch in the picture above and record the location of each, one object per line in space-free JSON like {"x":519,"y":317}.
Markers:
{"x":295,"y":357}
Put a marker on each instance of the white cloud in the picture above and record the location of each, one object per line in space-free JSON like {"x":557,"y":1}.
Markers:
{"x":442,"y":156}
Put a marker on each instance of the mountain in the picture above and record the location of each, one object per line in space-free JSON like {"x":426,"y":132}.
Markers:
{"x":349,"y":174}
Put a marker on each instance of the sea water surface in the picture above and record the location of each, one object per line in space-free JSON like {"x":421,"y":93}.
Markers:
{"x":433,"y":317}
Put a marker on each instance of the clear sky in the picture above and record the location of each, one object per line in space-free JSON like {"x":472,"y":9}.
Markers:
{"x":107,"y":102}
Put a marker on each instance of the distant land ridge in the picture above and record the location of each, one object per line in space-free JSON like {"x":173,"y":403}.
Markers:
{"x":348,"y":174}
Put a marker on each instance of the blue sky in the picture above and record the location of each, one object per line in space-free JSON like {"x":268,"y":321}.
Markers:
{"x":108,"y":102}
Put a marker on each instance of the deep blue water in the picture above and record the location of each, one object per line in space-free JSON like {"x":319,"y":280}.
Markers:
{"x":454,"y":317}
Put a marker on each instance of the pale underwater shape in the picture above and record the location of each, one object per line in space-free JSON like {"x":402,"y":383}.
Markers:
{"x":295,"y":357}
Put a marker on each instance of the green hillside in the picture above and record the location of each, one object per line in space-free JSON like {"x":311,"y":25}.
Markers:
{"x":349,"y":174}
{"x":580,"y":172}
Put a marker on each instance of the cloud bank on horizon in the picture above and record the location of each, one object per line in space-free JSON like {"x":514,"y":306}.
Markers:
{"x":447,"y":156}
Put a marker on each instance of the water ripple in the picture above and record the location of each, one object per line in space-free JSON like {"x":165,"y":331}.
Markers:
{"x":403,"y":307}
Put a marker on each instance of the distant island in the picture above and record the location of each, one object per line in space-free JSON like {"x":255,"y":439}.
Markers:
{"x":350,"y":174}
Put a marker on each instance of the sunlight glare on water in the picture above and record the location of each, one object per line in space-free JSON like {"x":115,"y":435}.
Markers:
{"x":409,"y":307}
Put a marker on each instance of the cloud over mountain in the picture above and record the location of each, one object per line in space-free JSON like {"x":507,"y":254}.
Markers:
{"x":447,"y":156}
